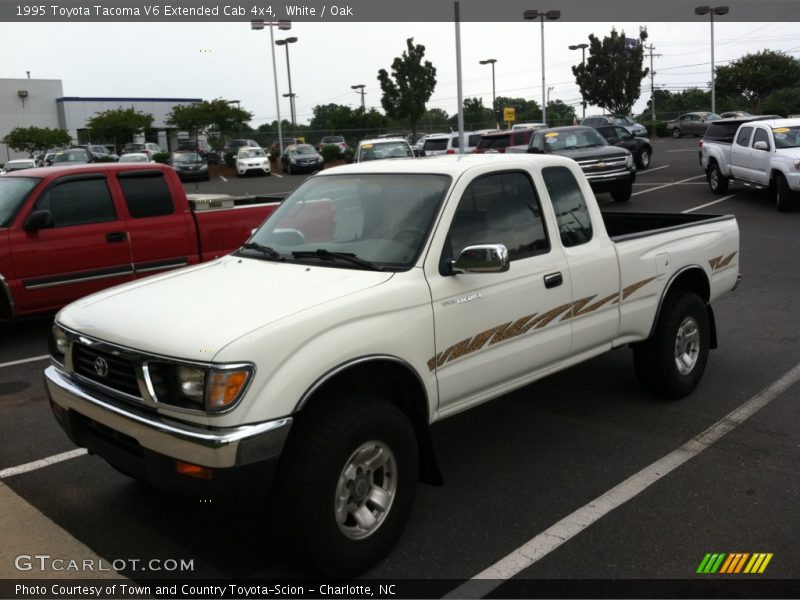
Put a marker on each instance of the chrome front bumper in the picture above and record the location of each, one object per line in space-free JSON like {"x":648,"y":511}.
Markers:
{"x":206,"y":446}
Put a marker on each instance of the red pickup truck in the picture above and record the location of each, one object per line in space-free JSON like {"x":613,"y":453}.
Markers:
{"x":66,"y":232}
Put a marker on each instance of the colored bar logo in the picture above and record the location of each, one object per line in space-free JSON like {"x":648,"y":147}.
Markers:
{"x":734,"y":563}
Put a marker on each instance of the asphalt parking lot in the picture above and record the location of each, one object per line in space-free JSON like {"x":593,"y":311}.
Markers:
{"x":517,"y":470}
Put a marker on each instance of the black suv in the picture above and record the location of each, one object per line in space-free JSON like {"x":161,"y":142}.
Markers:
{"x":640,"y":147}
{"x":202,"y":148}
{"x":97,"y":152}
{"x":608,"y":168}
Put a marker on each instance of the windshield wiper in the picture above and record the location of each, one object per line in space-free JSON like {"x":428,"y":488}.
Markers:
{"x":265,"y":250}
{"x":324,"y":254}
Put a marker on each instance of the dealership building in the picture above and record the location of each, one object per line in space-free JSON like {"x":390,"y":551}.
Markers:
{"x":41,"y":103}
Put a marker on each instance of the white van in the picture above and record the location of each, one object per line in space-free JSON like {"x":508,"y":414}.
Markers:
{"x":447,"y":143}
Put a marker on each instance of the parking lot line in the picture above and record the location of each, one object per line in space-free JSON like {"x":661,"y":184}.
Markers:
{"x":651,"y":170}
{"x":541,"y":545}
{"x":223,"y":179}
{"x":711,"y":203}
{"x":278,"y":176}
{"x":24,"y":360}
{"x":667,"y":185}
{"x":38,"y":464}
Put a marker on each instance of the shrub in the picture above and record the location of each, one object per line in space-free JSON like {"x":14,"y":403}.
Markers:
{"x":230,"y":159}
{"x":274,"y":153}
{"x":656,"y":128}
{"x":349,"y":154}
{"x":331,"y":152}
{"x":161,"y":157}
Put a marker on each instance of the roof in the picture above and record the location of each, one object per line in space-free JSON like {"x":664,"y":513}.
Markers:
{"x":101,"y":167}
{"x":383,"y":140}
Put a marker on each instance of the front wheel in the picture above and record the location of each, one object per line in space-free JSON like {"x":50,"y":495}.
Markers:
{"x":671,"y":363}
{"x":676,"y":133}
{"x":643,"y":158}
{"x":783,"y":195}
{"x":347,"y":481}
{"x":622,"y":194}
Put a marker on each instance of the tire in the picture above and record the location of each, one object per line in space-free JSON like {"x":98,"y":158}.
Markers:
{"x":783,"y":194}
{"x":643,"y":158}
{"x":671,"y":362}
{"x":716,"y":180}
{"x":622,"y":194}
{"x":331,"y":441}
{"x":676,"y":133}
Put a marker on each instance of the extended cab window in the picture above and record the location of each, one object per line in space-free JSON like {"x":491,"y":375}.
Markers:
{"x":572,"y":214}
{"x":146,"y":194}
{"x":743,"y":139}
{"x":500,"y":209}
{"x":78,"y":202}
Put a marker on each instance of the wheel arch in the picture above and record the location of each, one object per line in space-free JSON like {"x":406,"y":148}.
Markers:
{"x":393,"y":379}
{"x":691,"y":278}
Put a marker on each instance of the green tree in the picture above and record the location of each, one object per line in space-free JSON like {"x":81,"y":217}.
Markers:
{"x":756,"y":76}
{"x":410,"y":86}
{"x":612,"y":76}
{"x":219,"y":115}
{"x":783,"y":102}
{"x":476,"y":115}
{"x":559,"y":113}
{"x":119,"y":125}
{"x":435,"y":118}
{"x":31,"y":139}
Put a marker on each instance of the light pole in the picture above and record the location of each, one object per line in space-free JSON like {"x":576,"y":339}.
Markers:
{"x":708,"y":10}
{"x":583,"y":48}
{"x":552,"y":15}
{"x":284,"y":26}
{"x":360,"y":90}
{"x":285,"y":43}
{"x":491,"y":61}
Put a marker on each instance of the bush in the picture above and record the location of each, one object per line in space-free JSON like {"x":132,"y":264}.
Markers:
{"x":105,"y":158}
{"x":331,"y":152}
{"x":230,"y":159}
{"x":349,"y":154}
{"x":656,"y":128}
{"x":274,"y":153}
{"x":161,"y":157}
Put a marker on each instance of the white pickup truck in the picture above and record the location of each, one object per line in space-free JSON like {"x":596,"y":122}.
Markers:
{"x":761,"y":154}
{"x":378,"y":299}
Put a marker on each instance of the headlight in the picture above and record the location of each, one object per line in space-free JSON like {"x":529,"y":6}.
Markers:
{"x":58,"y":344}
{"x":629,"y":161}
{"x":797,"y":165}
{"x":213,"y":388}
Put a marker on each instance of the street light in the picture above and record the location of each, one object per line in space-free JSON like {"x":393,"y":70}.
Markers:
{"x":260,"y":24}
{"x":360,"y":90}
{"x":552,"y":15}
{"x":286,"y":42}
{"x":708,"y":10}
{"x":491,"y":61}
{"x":582,"y":48}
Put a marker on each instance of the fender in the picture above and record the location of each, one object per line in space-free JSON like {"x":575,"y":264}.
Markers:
{"x":703,"y":294}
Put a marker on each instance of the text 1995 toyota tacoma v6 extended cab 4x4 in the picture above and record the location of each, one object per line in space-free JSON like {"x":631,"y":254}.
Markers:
{"x":378,"y":299}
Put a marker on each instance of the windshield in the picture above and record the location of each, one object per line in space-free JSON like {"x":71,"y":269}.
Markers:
{"x":786,"y":137}
{"x":134,"y":147}
{"x":303,"y":149}
{"x":70,"y":156}
{"x":572,"y":139}
{"x":379,"y":150}
{"x":381,"y":218}
{"x":623,"y":121}
{"x":13,"y":191}
{"x":252,"y":153}
{"x":134,"y":158}
{"x":335,"y":139}
{"x":186,"y":157}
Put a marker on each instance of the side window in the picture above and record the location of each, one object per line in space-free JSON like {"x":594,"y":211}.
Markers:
{"x":743,"y":139}
{"x":761,"y":136}
{"x":146,"y":194}
{"x":623,"y":133}
{"x":78,"y":202}
{"x":572,"y":214}
{"x":500,"y":209}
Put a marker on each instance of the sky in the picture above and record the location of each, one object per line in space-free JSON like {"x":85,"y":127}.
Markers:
{"x":231,"y":61}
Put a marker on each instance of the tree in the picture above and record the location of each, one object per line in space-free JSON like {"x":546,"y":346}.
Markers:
{"x":30,"y":139}
{"x":476,"y":115}
{"x":756,"y":76}
{"x":559,"y":113}
{"x":118,"y":125}
{"x":410,"y":86}
{"x":612,"y":76}
{"x":783,"y":102}
{"x":217,"y":115}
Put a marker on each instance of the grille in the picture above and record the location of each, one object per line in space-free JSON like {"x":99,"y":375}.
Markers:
{"x":121,"y":374}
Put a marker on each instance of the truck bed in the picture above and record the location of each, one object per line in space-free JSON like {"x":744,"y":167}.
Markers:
{"x":622,"y":226}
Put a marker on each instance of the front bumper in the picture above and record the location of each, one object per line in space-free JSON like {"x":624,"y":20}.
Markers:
{"x":612,"y":181}
{"x":83,"y":413}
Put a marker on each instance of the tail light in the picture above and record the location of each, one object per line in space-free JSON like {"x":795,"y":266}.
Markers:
{"x":450,"y":151}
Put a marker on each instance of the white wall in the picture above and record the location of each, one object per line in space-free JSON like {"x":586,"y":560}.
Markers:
{"x":37,"y":109}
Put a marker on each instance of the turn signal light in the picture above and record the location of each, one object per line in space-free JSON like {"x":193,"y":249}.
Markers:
{"x":196,"y":471}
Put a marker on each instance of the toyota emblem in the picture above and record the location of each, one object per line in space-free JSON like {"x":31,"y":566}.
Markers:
{"x":100,"y":366}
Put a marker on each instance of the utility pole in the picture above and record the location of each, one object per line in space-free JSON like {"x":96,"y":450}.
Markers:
{"x":652,"y":85}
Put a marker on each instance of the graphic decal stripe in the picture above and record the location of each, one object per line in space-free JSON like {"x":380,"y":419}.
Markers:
{"x":727,"y":564}
{"x":703,"y":563}
{"x":765,"y":563}
{"x":718,"y":262}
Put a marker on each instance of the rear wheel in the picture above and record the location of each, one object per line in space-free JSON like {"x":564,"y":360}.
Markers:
{"x":716,"y":180}
{"x":783,"y":194}
{"x":676,"y":133}
{"x":347,"y":481}
{"x":671,"y":363}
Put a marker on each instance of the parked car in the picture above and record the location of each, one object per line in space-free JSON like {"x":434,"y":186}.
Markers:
{"x":693,"y":123}
{"x":252,"y":160}
{"x":17,"y":165}
{"x":640,"y":147}
{"x":333,"y":140}
{"x":148,"y":148}
{"x":380,"y":148}
{"x":297,"y":158}
{"x":98,"y":152}
{"x":608,"y":168}
{"x":135,"y":157}
{"x":447,"y":143}
{"x":201,"y":147}
{"x":622,"y":120}
{"x":723,"y":131}
{"x":72,"y":156}
{"x":496,"y":142}
{"x":66,"y":232}
{"x":189,"y":165}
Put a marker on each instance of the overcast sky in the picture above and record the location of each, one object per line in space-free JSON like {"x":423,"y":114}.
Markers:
{"x":230,"y":61}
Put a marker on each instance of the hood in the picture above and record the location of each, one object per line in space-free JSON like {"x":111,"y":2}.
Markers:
{"x":193,"y":313}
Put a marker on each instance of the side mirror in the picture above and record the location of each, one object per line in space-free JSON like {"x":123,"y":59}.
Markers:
{"x":482,"y":258}
{"x":38,"y":219}
{"x":534,"y":150}
{"x":761,"y":145}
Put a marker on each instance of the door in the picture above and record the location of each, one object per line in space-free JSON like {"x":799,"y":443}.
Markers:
{"x":759,"y":163}
{"x":740,"y":153}
{"x":86,"y":249}
{"x":495,"y":330}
